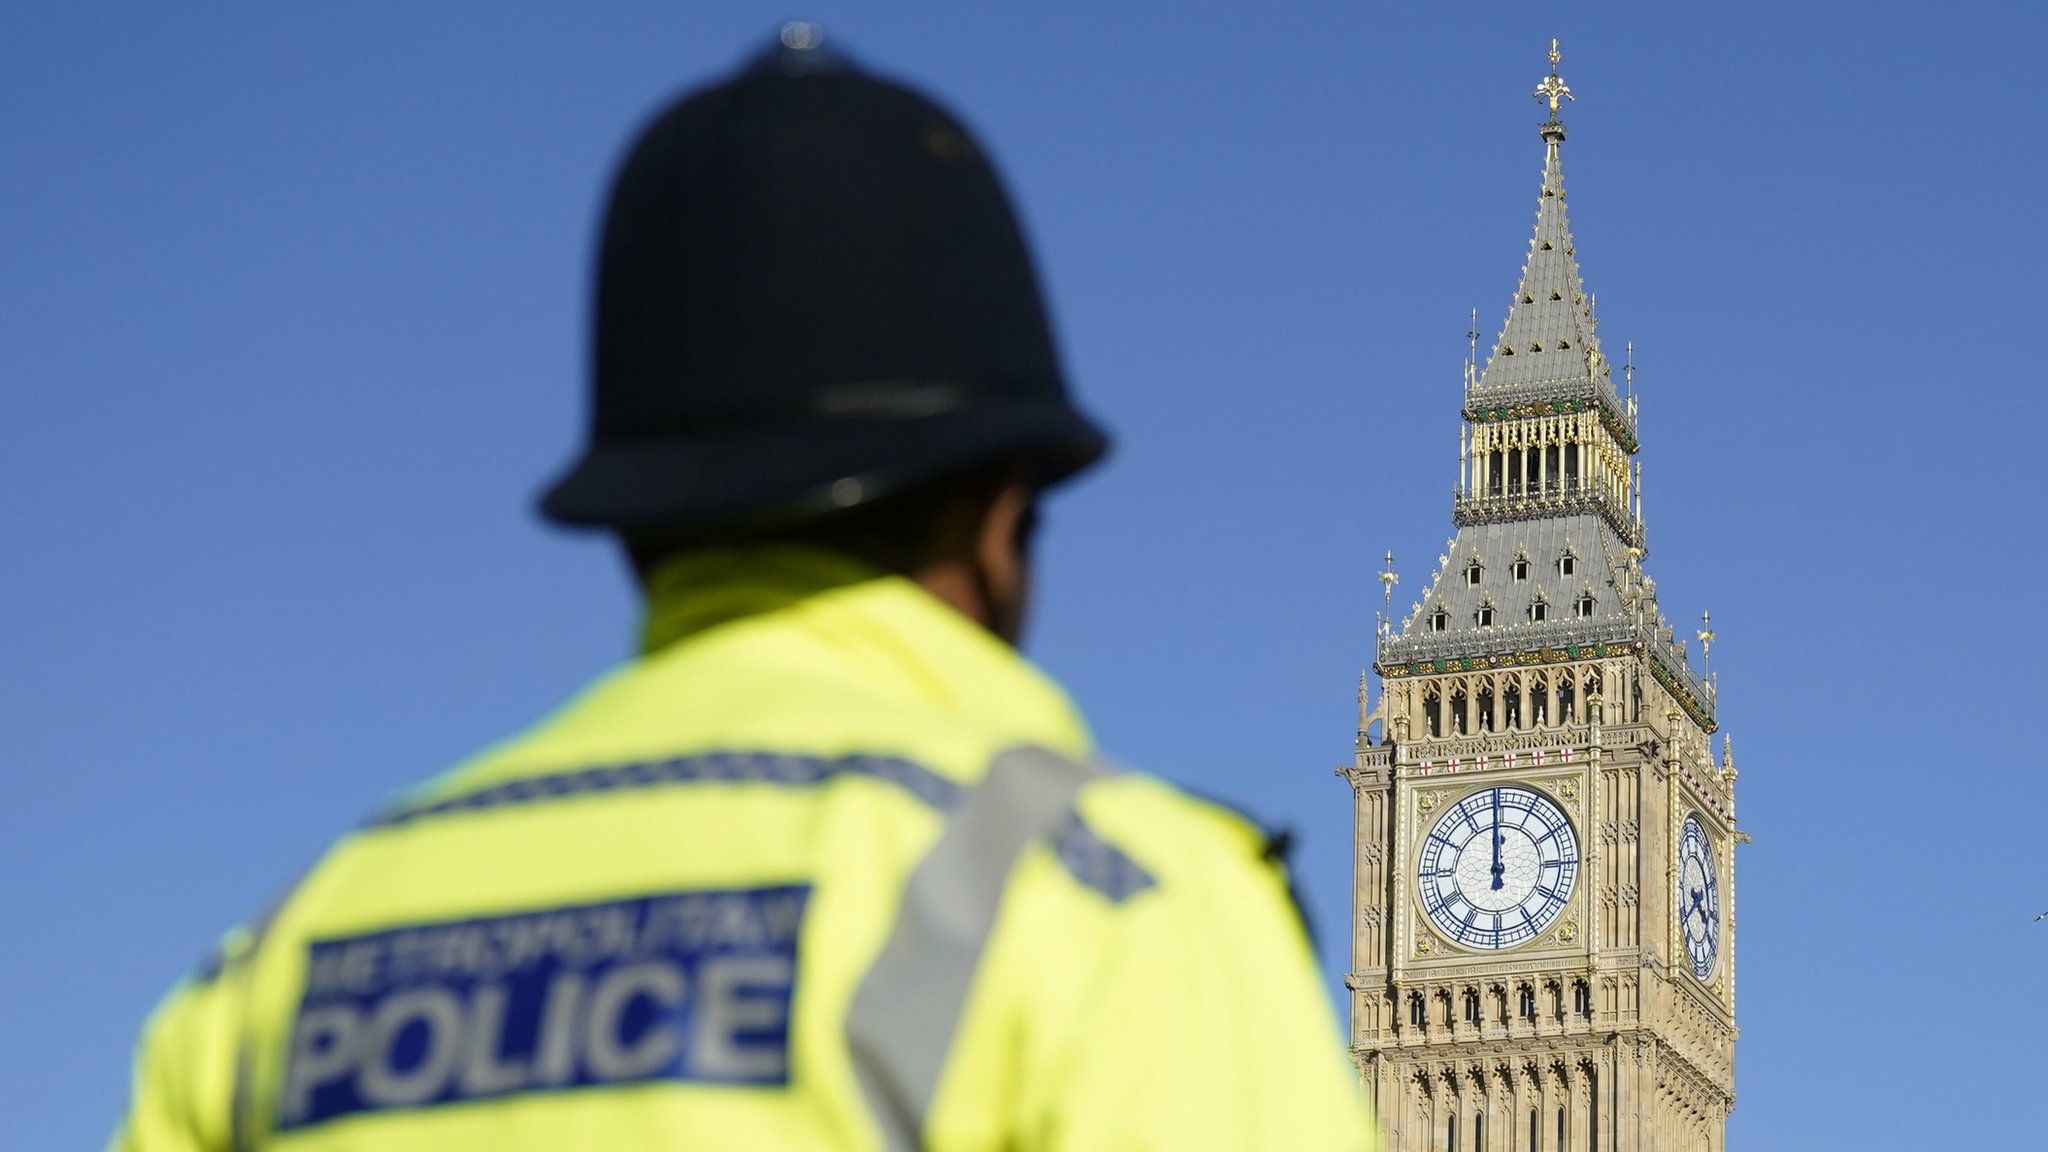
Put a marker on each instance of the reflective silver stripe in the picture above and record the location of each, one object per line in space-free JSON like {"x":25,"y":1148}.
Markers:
{"x":905,"y":1013}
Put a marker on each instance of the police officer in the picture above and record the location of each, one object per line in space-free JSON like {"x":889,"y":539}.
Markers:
{"x":829,"y":865}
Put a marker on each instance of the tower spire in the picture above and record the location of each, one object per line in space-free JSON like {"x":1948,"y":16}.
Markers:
{"x":1549,"y":341}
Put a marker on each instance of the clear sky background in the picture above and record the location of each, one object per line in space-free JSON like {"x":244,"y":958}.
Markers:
{"x":291,"y":329}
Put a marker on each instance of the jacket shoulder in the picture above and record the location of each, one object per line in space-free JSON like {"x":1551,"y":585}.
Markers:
{"x":1174,"y":834}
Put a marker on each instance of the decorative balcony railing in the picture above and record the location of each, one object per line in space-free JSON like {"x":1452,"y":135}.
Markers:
{"x":1561,"y":496}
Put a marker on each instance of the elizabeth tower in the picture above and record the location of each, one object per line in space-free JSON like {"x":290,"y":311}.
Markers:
{"x":1543,"y":881}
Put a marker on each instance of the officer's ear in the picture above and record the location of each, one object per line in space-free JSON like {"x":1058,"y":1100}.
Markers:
{"x":1001,"y":557}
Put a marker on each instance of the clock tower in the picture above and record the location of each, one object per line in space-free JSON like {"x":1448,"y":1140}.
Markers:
{"x":1543,"y":917}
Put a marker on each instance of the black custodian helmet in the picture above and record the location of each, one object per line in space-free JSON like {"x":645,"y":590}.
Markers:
{"x":812,"y":290}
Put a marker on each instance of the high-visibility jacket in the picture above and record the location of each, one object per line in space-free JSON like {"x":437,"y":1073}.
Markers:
{"x":827,"y":867}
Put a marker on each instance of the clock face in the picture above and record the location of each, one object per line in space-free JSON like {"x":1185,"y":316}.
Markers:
{"x":1497,"y":867}
{"x":1699,"y":898}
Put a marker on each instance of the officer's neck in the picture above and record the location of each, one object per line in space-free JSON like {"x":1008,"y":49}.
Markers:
{"x":994,"y":601}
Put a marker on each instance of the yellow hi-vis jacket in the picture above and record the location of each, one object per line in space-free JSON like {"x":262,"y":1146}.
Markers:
{"x":827,"y":868}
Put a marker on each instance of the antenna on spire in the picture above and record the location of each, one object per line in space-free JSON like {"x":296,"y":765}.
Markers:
{"x":1471,"y":355}
{"x":1639,"y":496}
{"x":1384,"y":618}
{"x":1387,"y":581}
{"x":1706,"y":635}
{"x":1628,"y":367}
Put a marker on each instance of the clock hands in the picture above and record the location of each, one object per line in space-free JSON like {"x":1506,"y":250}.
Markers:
{"x":1699,"y":901}
{"x":1496,"y":841}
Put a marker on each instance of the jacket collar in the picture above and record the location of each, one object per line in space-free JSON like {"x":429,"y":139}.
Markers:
{"x":852,"y":620}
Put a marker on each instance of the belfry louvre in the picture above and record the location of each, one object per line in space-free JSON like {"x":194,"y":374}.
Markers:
{"x":1543,"y":944}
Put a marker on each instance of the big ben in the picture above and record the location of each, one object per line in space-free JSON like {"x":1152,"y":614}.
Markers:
{"x":1543,"y":882}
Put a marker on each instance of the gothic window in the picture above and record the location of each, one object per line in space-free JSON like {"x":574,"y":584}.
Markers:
{"x":1539,"y":610}
{"x":1519,"y":569}
{"x":1583,"y":608}
{"x":1486,"y":709}
{"x":1560,"y":1127}
{"x":1415,"y":1016}
{"x":1451,"y":1134}
{"x":1472,"y":572}
{"x":1439,"y":620}
{"x":1485,"y":616}
{"x":1567,"y":564}
{"x":1582,"y":999}
{"x":1479,"y":1133}
{"x":1471,"y":1007}
{"x":1532,"y":1130}
{"x":1525,"y":1003}
{"x":1433,"y":713}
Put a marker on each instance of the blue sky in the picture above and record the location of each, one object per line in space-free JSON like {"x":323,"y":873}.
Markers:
{"x":291,"y":329}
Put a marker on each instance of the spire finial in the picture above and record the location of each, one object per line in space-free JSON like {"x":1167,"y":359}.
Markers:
{"x":1384,"y":625}
{"x":1552,"y":90}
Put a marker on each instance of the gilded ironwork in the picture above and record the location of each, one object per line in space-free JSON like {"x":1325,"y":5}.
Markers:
{"x":1553,"y":89}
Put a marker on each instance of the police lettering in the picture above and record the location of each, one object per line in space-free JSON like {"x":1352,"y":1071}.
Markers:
{"x":692,"y":986}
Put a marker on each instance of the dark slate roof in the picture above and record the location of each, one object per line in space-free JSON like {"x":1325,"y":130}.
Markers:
{"x":1548,"y":344}
{"x":1602,"y":569}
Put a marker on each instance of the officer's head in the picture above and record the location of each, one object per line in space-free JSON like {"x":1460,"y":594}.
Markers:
{"x":816,"y":318}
